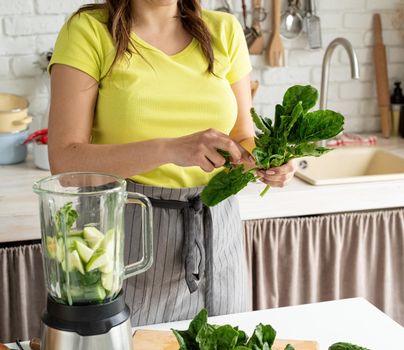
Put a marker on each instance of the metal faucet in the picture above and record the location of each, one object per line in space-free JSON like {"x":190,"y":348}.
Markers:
{"x":325,"y":70}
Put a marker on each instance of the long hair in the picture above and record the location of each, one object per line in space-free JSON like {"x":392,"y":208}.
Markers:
{"x":120,"y":22}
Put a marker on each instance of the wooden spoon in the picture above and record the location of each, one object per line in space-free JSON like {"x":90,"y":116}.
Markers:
{"x":257,"y":46}
{"x":275,"y":55}
{"x":4,"y":347}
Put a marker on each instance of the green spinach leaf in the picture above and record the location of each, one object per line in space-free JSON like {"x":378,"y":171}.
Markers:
{"x":204,"y":336}
{"x":293,"y":134}
{"x":225,"y":184}
{"x":306,"y":94}
{"x":65,"y":217}
{"x":264,"y":335}
{"x":289,"y":347}
{"x":345,"y":346}
{"x":188,"y":339}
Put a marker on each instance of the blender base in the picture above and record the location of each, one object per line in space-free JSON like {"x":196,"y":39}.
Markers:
{"x":86,"y":327}
{"x":118,"y":338}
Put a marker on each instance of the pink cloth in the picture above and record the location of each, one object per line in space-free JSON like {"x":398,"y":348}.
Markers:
{"x":347,"y":139}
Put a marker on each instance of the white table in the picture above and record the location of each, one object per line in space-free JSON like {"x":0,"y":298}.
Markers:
{"x":353,"y":320}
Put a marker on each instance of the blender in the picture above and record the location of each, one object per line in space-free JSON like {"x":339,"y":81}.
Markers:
{"x":82,"y":229}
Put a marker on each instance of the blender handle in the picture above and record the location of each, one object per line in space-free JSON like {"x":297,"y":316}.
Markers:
{"x":147,"y":235}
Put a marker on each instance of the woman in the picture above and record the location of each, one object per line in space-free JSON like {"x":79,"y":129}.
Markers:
{"x":149,"y":90}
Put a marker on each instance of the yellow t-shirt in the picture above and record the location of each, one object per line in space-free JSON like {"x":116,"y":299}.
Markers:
{"x":158,"y":95}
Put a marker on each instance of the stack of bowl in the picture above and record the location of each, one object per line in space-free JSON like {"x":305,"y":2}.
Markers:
{"x":14,"y":121}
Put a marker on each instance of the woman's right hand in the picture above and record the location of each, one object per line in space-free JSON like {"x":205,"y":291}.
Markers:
{"x":200,"y":149}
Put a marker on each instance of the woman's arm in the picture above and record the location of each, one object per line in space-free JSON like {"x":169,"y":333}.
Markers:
{"x":243,"y":130}
{"x":73,"y":99}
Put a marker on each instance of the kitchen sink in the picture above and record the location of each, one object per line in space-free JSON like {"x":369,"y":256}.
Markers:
{"x":351,"y":164}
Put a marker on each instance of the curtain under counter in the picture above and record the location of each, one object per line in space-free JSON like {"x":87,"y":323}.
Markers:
{"x":22,"y":292}
{"x":302,"y":260}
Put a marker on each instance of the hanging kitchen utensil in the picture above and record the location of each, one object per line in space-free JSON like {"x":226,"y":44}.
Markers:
{"x":225,"y":7}
{"x":258,"y":15}
{"x":250,"y":33}
{"x":313,"y":25}
{"x":275,"y":55}
{"x":382,"y":81}
{"x":291,"y":20}
{"x":254,"y":84}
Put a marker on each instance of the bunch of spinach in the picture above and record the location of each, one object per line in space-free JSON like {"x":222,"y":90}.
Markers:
{"x":293,"y":134}
{"x":204,"y":336}
{"x":345,"y":346}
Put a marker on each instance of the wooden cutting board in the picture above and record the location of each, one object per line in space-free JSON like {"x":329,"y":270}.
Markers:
{"x":165,"y":340}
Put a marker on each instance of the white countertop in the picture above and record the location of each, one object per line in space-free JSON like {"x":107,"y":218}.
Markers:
{"x":299,"y":198}
{"x":350,"y":320}
{"x":19,"y":213}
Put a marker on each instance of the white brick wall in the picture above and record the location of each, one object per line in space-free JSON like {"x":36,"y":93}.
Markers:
{"x":29,"y":27}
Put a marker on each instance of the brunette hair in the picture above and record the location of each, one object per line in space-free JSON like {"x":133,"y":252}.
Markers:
{"x":120,"y":22}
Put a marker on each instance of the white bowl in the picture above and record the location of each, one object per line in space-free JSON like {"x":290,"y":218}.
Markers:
{"x":40,"y":154}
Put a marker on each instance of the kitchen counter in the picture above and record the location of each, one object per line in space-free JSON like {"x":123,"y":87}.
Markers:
{"x":19,"y":213}
{"x":299,"y":198}
{"x":352,"y":320}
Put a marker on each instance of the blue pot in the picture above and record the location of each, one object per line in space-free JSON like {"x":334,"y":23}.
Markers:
{"x":12,"y":150}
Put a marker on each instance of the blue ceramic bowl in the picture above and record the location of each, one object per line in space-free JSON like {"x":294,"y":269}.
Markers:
{"x":12,"y":150}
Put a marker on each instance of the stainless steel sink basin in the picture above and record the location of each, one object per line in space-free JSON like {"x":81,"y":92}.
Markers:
{"x":351,"y":164}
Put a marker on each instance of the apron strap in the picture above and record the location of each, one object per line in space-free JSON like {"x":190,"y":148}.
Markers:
{"x":192,"y":240}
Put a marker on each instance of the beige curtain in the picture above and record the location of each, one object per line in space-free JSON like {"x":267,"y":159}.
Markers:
{"x":22,"y":292}
{"x":309,"y":259}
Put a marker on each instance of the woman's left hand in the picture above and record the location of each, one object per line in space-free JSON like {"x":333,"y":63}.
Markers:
{"x":279,"y":176}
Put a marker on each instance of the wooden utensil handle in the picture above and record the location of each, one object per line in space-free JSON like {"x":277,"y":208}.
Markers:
{"x":257,"y":8}
{"x":377,"y":29}
{"x":257,"y":4}
{"x":276,"y":16}
{"x":35,"y":344}
{"x":244,"y":8}
{"x":385,"y":119}
{"x":382,"y":82}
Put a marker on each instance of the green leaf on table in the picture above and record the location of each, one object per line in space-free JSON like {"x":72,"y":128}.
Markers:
{"x":187,"y":339}
{"x":289,"y":347}
{"x":346,"y":346}
{"x":220,"y":338}
{"x":242,"y":337}
{"x":264,"y":335}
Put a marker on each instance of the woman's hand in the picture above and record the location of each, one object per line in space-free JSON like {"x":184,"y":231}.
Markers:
{"x":200,"y":149}
{"x":279,"y":176}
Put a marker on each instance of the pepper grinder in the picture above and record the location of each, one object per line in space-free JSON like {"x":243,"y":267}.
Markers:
{"x":397,"y":101}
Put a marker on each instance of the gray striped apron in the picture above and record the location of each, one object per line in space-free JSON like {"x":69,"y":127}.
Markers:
{"x":199,"y":257}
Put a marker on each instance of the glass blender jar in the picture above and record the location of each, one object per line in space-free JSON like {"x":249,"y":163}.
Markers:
{"x":82,"y":224}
